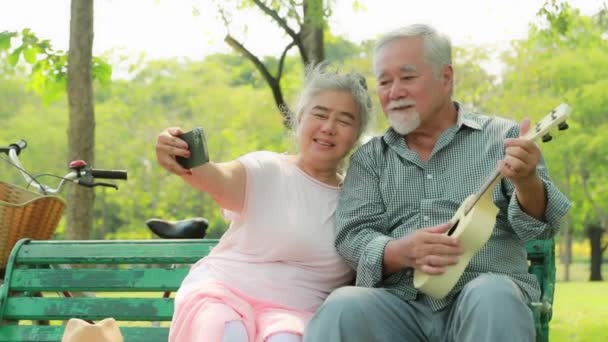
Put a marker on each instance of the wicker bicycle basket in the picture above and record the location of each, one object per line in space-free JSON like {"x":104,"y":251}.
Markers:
{"x":26,"y":214}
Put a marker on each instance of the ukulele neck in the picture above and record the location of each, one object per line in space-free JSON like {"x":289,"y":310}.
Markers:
{"x":556,"y":118}
{"x":487,"y":186}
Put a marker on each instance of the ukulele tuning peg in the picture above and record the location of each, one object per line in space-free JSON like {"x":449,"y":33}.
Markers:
{"x":547,"y":137}
{"x":562,"y":126}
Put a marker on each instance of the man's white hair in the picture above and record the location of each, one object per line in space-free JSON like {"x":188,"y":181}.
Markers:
{"x":437,"y":46}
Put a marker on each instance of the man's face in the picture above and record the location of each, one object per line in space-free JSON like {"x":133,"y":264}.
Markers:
{"x":408,"y":90}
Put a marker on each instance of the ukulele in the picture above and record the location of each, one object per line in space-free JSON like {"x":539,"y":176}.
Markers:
{"x":474,"y":220}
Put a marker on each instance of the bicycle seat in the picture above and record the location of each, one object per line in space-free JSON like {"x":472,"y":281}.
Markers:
{"x":192,"y":228}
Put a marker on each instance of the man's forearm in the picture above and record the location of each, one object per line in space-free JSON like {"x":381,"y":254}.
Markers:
{"x":393,"y":257}
{"x":532,"y":198}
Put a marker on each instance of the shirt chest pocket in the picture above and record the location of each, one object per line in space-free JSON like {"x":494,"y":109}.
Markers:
{"x":411,"y":202}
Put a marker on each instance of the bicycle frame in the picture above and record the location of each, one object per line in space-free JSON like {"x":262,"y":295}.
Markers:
{"x":80,"y":173}
{"x":41,"y":188}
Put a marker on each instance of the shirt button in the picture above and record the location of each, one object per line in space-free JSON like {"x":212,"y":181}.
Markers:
{"x":425,"y":217}
{"x":429,"y":176}
{"x":409,"y":272}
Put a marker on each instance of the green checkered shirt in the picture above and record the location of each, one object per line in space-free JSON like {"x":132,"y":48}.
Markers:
{"x":390,"y":192}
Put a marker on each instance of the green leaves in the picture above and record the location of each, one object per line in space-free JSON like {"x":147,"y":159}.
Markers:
{"x":30,"y":53}
{"x":13,"y":58}
{"x":546,"y":69}
{"x":102,"y":71}
{"x":5,"y":40}
{"x":48,"y":75}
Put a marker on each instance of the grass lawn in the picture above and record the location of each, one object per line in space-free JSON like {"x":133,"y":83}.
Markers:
{"x":580,"y":310}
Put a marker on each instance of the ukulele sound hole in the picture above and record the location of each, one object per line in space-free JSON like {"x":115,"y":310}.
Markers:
{"x":451,"y":231}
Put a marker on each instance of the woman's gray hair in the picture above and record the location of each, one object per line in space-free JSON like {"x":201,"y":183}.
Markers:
{"x":437,"y":46}
{"x":319,"y":79}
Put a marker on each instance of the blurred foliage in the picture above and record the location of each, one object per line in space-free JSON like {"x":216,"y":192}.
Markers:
{"x":563,"y":59}
{"x":216,"y":93}
{"x":48,"y":67}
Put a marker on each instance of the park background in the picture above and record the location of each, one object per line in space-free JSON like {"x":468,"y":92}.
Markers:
{"x":213,"y":64}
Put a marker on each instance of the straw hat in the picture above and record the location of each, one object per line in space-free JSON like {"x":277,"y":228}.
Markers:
{"x":78,"y":330}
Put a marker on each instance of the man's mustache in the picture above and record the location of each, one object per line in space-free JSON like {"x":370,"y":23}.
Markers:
{"x":400,"y":103}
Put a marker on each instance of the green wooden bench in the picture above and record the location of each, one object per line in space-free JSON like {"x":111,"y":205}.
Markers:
{"x":148,"y":267}
{"x":151,"y":266}
{"x":541,"y":256}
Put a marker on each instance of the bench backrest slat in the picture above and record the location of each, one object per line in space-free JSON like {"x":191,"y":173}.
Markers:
{"x":49,"y":333}
{"x":92,"y":280}
{"x":121,"y":309}
{"x":113,"y":252}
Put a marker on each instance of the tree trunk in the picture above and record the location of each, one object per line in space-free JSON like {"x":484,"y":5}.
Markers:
{"x":595,"y":232}
{"x":566,"y":255}
{"x":312,"y":32}
{"x":81,"y":133}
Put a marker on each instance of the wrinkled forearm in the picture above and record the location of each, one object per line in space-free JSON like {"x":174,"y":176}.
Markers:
{"x":532,"y":198}
{"x":529,"y":227}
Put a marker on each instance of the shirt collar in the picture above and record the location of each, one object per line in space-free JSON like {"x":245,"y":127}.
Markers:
{"x":466,"y":118}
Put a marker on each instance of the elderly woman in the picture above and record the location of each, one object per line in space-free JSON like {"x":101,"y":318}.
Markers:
{"x":277,"y":262}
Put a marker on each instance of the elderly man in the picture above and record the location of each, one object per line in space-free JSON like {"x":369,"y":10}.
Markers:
{"x":402,"y":188}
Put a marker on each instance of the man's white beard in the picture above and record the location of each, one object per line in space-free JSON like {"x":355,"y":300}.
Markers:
{"x":404,"y":122}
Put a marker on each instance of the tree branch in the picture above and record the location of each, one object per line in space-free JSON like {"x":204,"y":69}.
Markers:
{"x":236,"y":45}
{"x":223,"y":15}
{"x":282,"y":59}
{"x":295,"y":36}
{"x":282,"y":22}
{"x":272,"y":81}
{"x":294,"y":5}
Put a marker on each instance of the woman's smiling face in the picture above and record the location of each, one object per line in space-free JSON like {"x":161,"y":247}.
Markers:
{"x":328,"y":128}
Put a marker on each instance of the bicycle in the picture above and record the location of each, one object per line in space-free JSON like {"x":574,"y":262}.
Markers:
{"x":36,"y":214}
{"x":47,"y":209}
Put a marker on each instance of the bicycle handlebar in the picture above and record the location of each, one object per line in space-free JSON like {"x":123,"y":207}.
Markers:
{"x":18,"y":146}
{"x":80,"y":173}
{"x":109,"y":174}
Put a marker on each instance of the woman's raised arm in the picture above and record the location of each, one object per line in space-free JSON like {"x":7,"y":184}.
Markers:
{"x":225,"y":182}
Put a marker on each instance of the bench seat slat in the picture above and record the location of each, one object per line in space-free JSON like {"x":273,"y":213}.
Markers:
{"x":129,"y":280}
{"x":40,"y":333}
{"x":114,"y":252}
{"x":122,"y":309}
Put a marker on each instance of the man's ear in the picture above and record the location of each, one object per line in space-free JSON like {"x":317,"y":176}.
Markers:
{"x":447,"y":76}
